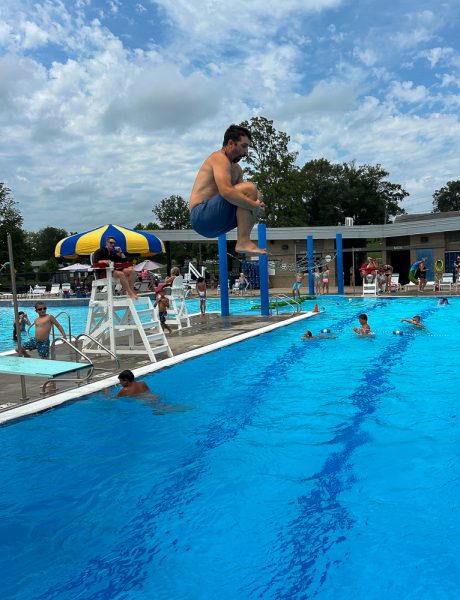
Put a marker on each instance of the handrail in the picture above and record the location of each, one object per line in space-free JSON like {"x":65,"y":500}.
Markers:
{"x":74,"y":379}
{"x":93,"y":339}
{"x":296,"y":306}
{"x":69,"y":323}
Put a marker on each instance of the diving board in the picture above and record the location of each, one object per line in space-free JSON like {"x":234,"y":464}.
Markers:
{"x":38,"y":367}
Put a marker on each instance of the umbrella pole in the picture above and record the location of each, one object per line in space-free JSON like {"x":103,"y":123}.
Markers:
{"x":16,"y":313}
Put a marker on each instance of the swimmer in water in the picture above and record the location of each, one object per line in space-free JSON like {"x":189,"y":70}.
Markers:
{"x":415,"y":321}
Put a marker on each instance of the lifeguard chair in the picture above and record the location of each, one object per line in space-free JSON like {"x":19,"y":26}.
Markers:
{"x":126,"y":326}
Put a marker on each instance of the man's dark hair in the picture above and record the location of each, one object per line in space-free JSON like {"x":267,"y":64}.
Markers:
{"x":126,"y":375}
{"x":235,"y":133}
{"x":110,"y":237}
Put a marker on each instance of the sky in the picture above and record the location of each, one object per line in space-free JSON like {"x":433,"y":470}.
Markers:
{"x":106,"y":107}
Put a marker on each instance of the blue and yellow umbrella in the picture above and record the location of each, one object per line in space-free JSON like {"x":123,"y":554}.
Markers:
{"x":130,"y":241}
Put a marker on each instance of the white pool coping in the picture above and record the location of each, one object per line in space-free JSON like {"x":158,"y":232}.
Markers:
{"x":38,"y":406}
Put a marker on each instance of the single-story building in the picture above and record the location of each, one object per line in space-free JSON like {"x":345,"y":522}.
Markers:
{"x":434,"y":236}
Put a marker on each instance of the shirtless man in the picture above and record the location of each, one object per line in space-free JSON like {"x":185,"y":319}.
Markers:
{"x":130,"y":387}
{"x":41,"y":341}
{"x":220,"y":200}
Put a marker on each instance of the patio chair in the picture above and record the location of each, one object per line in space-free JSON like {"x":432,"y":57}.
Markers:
{"x":446,"y":282}
{"x":39,"y":290}
{"x":55,"y":289}
{"x":395,"y":286}
{"x":369,"y":289}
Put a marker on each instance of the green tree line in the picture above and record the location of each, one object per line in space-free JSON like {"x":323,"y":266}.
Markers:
{"x":318,"y":193}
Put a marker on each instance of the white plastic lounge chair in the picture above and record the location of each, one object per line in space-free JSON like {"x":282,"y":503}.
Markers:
{"x":39,"y":290}
{"x":395,"y":286}
{"x":370,"y":289}
{"x":55,"y":289}
{"x":446,"y":282}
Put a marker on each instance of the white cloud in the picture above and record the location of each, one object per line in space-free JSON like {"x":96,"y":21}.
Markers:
{"x":406,"y":91}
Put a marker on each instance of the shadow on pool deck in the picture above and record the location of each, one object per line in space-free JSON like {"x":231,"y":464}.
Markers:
{"x":204,"y":331}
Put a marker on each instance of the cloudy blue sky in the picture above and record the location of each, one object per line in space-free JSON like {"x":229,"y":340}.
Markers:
{"x":106,"y":107}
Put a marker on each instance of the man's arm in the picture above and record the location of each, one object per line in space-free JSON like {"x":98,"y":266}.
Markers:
{"x":222,"y":171}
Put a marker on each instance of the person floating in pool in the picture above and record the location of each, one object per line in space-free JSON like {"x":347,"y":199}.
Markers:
{"x":41,"y":342}
{"x":443,"y":301}
{"x":221,"y":200}
{"x":321,"y":336}
{"x":415,"y":321}
{"x":364,"y":327}
{"x":130,"y":387}
{"x":23,"y":321}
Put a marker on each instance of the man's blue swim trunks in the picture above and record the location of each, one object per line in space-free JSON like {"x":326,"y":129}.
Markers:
{"x":42,"y":347}
{"x":213,"y":217}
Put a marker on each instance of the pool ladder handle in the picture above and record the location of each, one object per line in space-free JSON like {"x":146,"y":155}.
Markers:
{"x":296,"y":306}
{"x":92,"y":368}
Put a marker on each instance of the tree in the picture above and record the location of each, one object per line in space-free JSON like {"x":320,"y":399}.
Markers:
{"x":46,"y":270}
{"x":11,"y":222}
{"x":447,"y":198}
{"x":271,"y":166}
{"x":172,"y":213}
{"x":43,"y":242}
{"x":149,"y":227}
{"x":331,"y":192}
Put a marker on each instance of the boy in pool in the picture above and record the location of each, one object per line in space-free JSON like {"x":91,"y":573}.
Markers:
{"x":415,"y":321}
{"x":309,"y":336}
{"x":364,"y":327}
{"x":130,"y":387}
{"x":23,"y":321}
{"x":41,"y":342}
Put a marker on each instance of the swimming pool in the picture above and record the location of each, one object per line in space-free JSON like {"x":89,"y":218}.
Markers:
{"x":78,"y":315}
{"x":323,"y":469}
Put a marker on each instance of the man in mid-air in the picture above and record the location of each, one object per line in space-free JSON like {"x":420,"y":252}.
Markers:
{"x":221,"y":200}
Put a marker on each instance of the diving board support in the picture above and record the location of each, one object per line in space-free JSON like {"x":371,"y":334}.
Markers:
{"x":16,"y":311}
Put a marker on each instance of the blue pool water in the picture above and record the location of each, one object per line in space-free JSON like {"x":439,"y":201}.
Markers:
{"x":325,"y":469}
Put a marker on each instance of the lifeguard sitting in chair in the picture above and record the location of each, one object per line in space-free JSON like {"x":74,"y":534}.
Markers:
{"x":123,"y":270}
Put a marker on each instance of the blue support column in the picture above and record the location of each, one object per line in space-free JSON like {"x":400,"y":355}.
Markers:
{"x":311,"y":276}
{"x":339,"y":262}
{"x":263,"y":270}
{"x":223,"y":276}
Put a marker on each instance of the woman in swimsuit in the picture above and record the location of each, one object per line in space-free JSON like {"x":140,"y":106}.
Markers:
{"x":201,"y":289}
{"x":325,"y":280}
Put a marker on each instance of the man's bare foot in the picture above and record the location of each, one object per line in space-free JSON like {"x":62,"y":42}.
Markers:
{"x":133,"y":296}
{"x":249,"y":248}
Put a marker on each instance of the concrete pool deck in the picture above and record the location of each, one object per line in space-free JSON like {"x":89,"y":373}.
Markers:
{"x":207,"y":333}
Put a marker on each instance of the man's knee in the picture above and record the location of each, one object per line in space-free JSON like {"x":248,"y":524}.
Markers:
{"x":248,"y":188}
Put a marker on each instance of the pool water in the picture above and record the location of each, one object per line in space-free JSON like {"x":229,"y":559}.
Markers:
{"x":325,"y":469}
{"x":78,"y":314}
